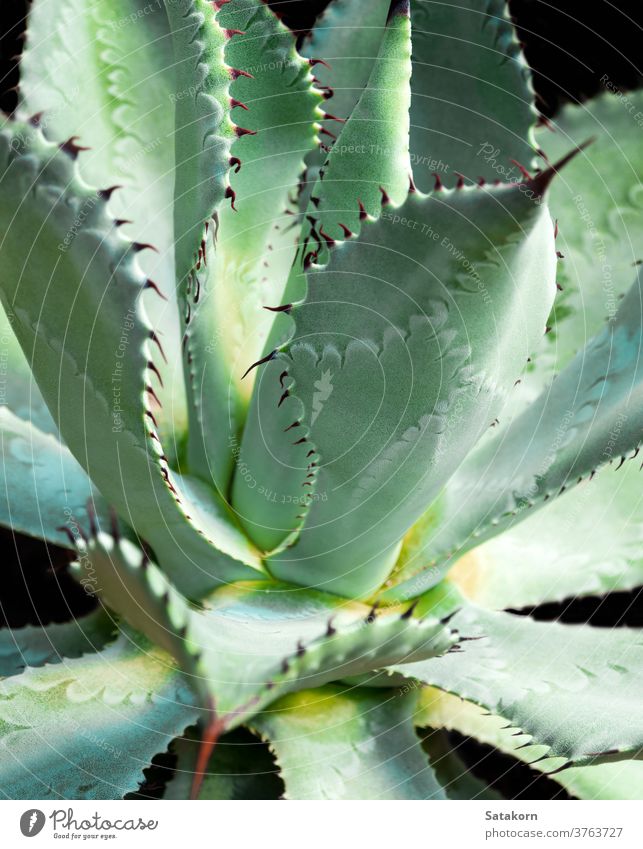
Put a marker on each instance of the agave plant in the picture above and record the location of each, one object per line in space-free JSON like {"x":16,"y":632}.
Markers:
{"x":309,"y":452}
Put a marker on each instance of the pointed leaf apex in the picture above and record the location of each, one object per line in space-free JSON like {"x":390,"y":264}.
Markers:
{"x":540,"y":183}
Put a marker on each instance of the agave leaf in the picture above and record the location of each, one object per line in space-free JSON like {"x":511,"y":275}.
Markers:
{"x":599,"y":207}
{"x":343,"y":64}
{"x":367,"y":166}
{"x":472,"y":109}
{"x":36,"y":645}
{"x":245,"y":264}
{"x":20,"y":392}
{"x":586,"y":547}
{"x":620,"y":780}
{"x":103,"y":74}
{"x":370,"y":160}
{"x":44,"y":492}
{"x":239,"y":768}
{"x":429,"y":348}
{"x":573,"y":689}
{"x":78,"y":314}
{"x":253,"y":642}
{"x":590,"y":416}
{"x":203,"y":131}
{"x":334,"y":743}
{"x":86,"y":728}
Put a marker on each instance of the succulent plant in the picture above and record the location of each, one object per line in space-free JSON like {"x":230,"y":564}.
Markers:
{"x":310,"y":452}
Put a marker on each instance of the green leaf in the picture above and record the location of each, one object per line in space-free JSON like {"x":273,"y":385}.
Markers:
{"x":569,"y":549}
{"x":335,"y":743}
{"x":103,"y":74}
{"x":244,"y":266}
{"x":240,"y":767}
{"x":472,"y":108}
{"x":591,"y":415}
{"x":621,"y":780}
{"x":250,"y":643}
{"x":86,"y":728}
{"x":368,"y":164}
{"x":36,"y":645}
{"x":370,"y":159}
{"x":20,"y":391}
{"x":573,"y":689}
{"x":430,"y":347}
{"x":43,"y":490}
{"x":78,"y":314}
{"x":203,"y":131}
{"x":599,"y":207}
{"x":343,"y":44}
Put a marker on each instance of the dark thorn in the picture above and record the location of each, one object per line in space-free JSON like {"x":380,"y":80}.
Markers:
{"x":301,"y":651}
{"x":363,"y":215}
{"x":460,"y":183}
{"x":348,"y":233}
{"x":235,"y":163}
{"x":412,"y":187}
{"x":283,"y":398}
{"x":231,"y":32}
{"x":438,"y":182}
{"x":409,"y":611}
{"x":372,"y":614}
{"x":234,"y":102}
{"x":330,"y":631}
{"x":315,"y":201}
{"x":266,"y":359}
{"x":285,"y":666}
{"x":243,"y":131}
{"x":327,"y":132}
{"x":313,"y":62}
{"x":300,"y":441}
{"x":143,"y":246}
{"x":118,"y":222}
{"x":152,"y":394}
{"x":150,"y":284}
{"x":157,"y":342}
{"x":232,"y":195}
{"x":235,"y":73}
{"x":540,"y":182}
{"x":152,"y":367}
{"x":293,"y":425}
{"x":150,"y":415}
{"x":330,"y":242}
{"x":105,"y":194}
{"x":71,"y":148}
{"x":620,"y":464}
{"x":35,"y":119}
{"x":66,"y":530}
{"x":281,"y":378}
{"x":284,"y":308}
{"x":310,"y":257}
{"x":386,"y":200}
